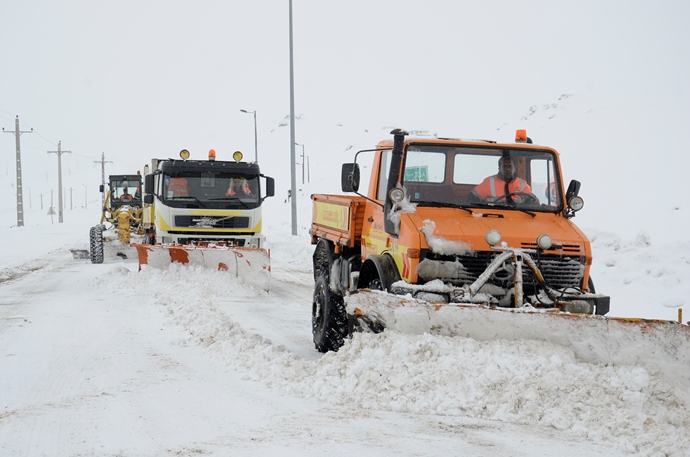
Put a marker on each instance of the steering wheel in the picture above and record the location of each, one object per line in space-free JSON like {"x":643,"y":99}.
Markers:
{"x":525,"y":197}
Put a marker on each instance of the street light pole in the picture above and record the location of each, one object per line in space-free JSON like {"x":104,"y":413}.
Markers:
{"x":256,"y":142}
{"x":293,"y":185}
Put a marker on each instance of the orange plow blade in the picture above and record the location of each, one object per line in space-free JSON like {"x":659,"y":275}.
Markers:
{"x":252,"y":265}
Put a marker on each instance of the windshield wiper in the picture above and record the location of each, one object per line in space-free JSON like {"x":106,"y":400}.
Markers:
{"x":231,"y":199}
{"x":444,"y":205}
{"x":187,"y":198}
{"x":502,"y":206}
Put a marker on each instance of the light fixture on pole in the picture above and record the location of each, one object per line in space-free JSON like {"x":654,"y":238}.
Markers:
{"x":256,"y":143}
{"x":297,"y":144}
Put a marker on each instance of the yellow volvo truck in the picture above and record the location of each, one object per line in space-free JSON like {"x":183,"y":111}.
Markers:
{"x":206,"y":212}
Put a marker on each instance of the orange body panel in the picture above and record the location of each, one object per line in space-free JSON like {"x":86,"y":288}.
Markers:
{"x":365,"y":221}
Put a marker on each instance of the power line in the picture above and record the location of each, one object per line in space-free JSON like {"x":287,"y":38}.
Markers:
{"x":103,"y":162}
{"x":20,"y":197}
{"x":59,"y":153}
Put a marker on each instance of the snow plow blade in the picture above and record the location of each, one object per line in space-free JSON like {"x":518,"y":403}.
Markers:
{"x":654,"y":344}
{"x":250,"y":264}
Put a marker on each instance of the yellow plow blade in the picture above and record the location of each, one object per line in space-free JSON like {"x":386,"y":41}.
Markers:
{"x":251,"y":264}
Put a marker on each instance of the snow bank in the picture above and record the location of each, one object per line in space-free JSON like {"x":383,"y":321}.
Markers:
{"x":522,"y":382}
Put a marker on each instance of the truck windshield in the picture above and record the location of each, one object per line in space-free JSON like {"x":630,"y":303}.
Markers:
{"x":525,"y":179}
{"x":211,"y":190}
{"x":125,"y":191}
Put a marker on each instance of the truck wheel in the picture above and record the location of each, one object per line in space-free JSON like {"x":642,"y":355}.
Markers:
{"x":328,"y":317}
{"x":96,"y":244}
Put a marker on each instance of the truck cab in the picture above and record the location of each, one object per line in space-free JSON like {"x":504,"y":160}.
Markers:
{"x":124,"y":190}
{"x":192,"y":201}
{"x":431,"y":220}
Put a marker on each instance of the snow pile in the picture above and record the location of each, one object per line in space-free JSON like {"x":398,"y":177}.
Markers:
{"x":440,"y":245}
{"x":521,"y":382}
{"x":648,"y":272}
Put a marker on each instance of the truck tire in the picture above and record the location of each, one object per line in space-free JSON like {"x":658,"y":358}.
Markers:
{"x":96,"y":244}
{"x":328,"y":317}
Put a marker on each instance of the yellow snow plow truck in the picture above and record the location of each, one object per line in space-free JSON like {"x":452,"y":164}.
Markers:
{"x":471,"y":238}
{"x":120,"y":218}
{"x":206,"y":212}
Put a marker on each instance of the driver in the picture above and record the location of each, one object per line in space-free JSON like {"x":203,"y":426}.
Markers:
{"x":238,"y":186}
{"x":501,"y":185}
{"x":126,"y":196}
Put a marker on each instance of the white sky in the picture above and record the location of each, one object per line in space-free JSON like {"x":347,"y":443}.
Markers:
{"x":137,"y":80}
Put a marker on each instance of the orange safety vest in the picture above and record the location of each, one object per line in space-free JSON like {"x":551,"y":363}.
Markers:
{"x":494,"y":186}
{"x":178,"y":187}
{"x":244,"y":185}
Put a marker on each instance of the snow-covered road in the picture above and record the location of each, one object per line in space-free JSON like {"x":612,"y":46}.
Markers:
{"x":106,"y":360}
{"x":102,"y":360}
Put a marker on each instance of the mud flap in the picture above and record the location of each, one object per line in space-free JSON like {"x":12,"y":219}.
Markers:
{"x":252,"y":265}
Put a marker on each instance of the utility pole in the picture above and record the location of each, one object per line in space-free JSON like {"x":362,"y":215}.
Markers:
{"x":20,"y":197}
{"x":102,"y":162}
{"x":59,"y":153}
{"x":70,"y":198}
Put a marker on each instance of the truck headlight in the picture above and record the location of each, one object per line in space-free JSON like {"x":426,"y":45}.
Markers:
{"x":544,"y":242}
{"x":492,"y":237}
{"x":397,"y":195}
{"x":576,"y":203}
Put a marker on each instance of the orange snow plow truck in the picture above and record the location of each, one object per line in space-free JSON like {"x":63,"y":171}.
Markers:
{"x":462,"y":237}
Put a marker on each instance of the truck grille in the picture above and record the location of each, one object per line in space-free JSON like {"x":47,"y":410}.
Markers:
{"x":212,"y":222}
{"x":558,"y":271}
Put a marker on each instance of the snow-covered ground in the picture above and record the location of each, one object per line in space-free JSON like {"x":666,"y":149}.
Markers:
{"x":104,"y":360}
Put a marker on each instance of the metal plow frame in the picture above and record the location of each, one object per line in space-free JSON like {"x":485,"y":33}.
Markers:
{"x":569,"y":300}
{"x":251,"y":264}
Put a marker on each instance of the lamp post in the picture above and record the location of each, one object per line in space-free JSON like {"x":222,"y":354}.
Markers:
{"x":293,"y":185}
{"x":297,"y":144}
{"x":256,"y":147}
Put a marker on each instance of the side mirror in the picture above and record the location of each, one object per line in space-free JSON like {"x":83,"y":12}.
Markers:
{"x":349,"y":177}
{"x":148,"y":199}
{"x":100,"y":188}
{"x":573,"y":189}
{"x":148,"y":184}
{"x":270,"y":186}
{"x":575,"y":202}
